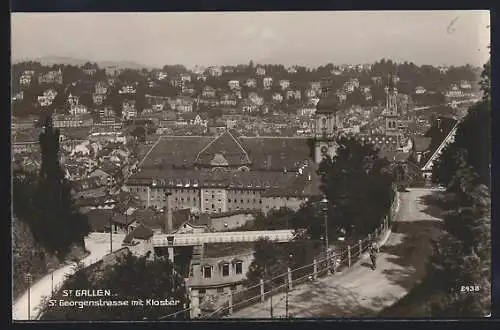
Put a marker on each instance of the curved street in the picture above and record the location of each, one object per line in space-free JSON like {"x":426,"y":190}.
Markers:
{"x":98,"y":246}
{"x":360,"y":291}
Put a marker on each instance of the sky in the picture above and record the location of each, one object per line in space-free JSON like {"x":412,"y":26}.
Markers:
{"x":227,"y":38}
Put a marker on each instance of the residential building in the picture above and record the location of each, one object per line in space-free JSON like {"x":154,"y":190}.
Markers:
{"x":127,"y":89}
{"x":51,"y":77}
{"x":78,"y":109}
{"x":213,"y":278}
{"x":112,"y":70}
{"x":128,"y":109}
{"x":98,"y":98}
{"x":267,"y":82}
{"x":233,"y":84}
{"x":464,"y":84}
{"x":228,"y":100}
{"x":310,"y":93}
{"x":18,"y":96}
{"x":248,"y":106}
{"x":306,"y":111}
{"x":349,"y":87}
{"x":73,"y":99}
{"x":185,"y":78}
{"x":377,"y":80}
{"x":342,"y":97}
{"x":215,"y":71}
{"x":44,"y":101}
{"x":160,"y":75}
{"x":208,"y":92}
{"x":454,"y":91}
{"x":277,"y":97}
{"x":89,"y":72}
{"x":25,"y":80}
{"x":419,"y":90}
{"x":315,"y":86}
{"x":101,"y":88}
{"x":284,"y":83}
{"x":256,"y":99}
{"x":293,"y":95}
{"x":292,"y":70}
{"x":260,"y":71}
{"x":250,"y":82}
{"x":182,"y":104}
{"x":50,"y":93}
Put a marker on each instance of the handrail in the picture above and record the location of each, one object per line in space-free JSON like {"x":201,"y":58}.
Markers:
{"x":329,"y":259}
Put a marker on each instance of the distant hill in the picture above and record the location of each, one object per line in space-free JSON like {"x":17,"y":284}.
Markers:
{"x":51,"y":60}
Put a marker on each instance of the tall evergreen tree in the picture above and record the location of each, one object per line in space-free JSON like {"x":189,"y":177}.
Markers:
{"x":55,"y":222}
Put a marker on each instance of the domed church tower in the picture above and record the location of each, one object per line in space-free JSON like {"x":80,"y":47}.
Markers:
{"x":327,"y":123}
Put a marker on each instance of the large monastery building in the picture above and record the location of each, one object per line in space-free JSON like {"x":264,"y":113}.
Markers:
{"x":228,"y":173}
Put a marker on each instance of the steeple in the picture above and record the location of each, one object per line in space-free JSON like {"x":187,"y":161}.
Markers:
{"x":391,"y":110}
{"x":327,"y":122}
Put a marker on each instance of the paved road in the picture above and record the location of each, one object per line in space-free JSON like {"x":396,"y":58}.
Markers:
{"x":98,"y":246}
{"x":360,"y":291}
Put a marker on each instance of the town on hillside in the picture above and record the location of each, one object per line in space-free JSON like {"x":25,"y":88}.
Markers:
{"x":245,"y":191}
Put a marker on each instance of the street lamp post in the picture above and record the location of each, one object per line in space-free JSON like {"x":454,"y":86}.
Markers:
{"x":28,"y":279}
{"x":324,"y":203}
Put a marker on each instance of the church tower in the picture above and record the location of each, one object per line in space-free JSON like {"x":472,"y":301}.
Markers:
{"x":391,"y":111}
{"x":327,"y":123}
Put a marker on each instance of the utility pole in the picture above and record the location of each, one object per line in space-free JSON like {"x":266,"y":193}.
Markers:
{"x":28,"y":279}
{"x":287,"y":283}
{"x":108,"y":194}
{"x":266,"y":275}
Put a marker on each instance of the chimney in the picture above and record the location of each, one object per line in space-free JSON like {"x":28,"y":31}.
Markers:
{"x":168,"y":214}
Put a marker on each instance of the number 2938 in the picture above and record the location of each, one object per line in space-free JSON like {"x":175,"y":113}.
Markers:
{"x":469,"y":288}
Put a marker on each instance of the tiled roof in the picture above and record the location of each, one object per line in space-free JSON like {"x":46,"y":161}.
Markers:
{"x":148,"y":217}
{"x":87,"y":183}
{"x":300,"y":187}
{"x":265,"y":153}
{"x":177,"y":150}
{"x":422,"y":143}
{"x":328,"y":104}
{"x":140,"y":232}
{"x":225,"y":147}
{"x":277,"y":153}
{"x":234,"y":212}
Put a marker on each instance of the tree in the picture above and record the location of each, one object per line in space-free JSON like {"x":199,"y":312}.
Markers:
{"x":356,"y":176}
{"x":463,"y":253}
{"x":130,"y":278}
{"x":485,"y":81}
{"x":139,"y":132}
{"x":474,"y":140}
{"x":53,"y":218}
{"x":269,"y":261}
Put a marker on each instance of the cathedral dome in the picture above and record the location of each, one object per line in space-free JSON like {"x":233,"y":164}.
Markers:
{"x":328,"y":104}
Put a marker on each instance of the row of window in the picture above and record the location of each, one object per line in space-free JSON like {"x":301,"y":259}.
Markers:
{"x":237,"y":267}
{"x":241,"y":201}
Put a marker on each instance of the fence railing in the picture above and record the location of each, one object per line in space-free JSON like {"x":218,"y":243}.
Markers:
{"x":324,"y":264}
